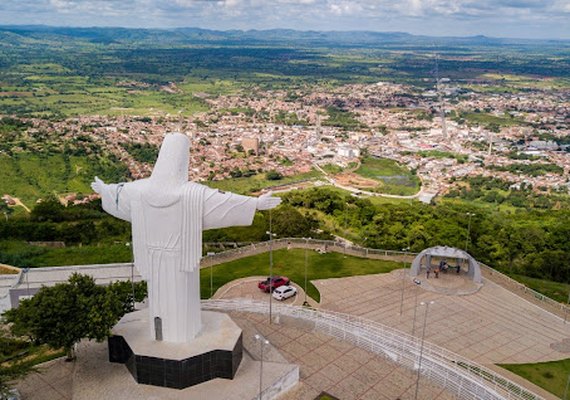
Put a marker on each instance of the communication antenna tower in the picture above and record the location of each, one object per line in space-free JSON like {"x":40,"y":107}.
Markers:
{"x":440,"y":98}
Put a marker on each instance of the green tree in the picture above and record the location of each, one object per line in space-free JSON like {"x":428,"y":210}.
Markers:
{"x":288,"y":222}
{"x":123,"y":290}
{"x":5,"y":209}
{"x":273,"y":175}
{"x":49,"y":209}
{"x":62,"y":315}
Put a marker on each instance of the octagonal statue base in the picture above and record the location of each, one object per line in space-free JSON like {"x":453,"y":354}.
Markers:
{"x":215,"y":353}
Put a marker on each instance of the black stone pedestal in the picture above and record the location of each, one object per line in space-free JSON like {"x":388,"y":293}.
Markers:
{"x":215,"y":353}
{"x":178,"y":374}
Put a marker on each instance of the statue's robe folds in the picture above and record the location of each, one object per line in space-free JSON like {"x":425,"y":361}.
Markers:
{"x":167,"y":229}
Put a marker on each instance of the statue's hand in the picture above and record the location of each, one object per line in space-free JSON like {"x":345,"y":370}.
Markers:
{"x":97,"y":185}
{"x":267,"y":202}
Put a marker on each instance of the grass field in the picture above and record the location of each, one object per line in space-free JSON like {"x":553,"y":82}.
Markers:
{"x":555,"y":290}
{"x":72,"y":95}
{"x":22,"y":254}
{"x":392,"y":177}
{"x":257,"y":182}
{"x":292,"y":264}
{"x":487,"y":119}
{"x":527,"y":82}
{"x":32,"y":176}
{"x":551,"y":376}
{"x":85,"y":255}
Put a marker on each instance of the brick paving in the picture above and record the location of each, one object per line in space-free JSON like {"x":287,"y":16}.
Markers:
{"x":491,"y":325}
{"x":338,"y":368}
{"x":51,"y":381}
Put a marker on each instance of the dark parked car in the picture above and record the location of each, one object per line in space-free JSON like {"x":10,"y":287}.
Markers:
{"x":277,"y":281}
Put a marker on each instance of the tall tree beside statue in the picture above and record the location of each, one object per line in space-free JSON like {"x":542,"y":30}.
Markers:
{"x":61,"y":315}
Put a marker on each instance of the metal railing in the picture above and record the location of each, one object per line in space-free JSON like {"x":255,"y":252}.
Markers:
{"x":564,"y":308}
{"x":459,"y":376}
{"x":325,"y":245}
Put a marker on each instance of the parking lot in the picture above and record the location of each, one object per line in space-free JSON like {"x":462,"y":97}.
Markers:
{"x":246,"y":288}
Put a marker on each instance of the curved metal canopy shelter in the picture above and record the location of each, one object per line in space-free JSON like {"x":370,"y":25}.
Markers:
{"x":474,"y":271}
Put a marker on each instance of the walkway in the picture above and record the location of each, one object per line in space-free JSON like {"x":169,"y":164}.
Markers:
{"x":490,"y":326}
{"x":326,"y":364}
{"x":51,"y":381}
{"x":341,"y":369}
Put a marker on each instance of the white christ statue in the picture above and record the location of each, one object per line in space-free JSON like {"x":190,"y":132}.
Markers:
{"x":168,"y":214}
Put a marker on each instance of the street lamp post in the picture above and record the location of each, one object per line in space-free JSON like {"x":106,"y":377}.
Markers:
{"x":26,"y":271}
{"x":271,"y":236}
{"x":567,"y":307}
{"x":427,"y":304}
{"x":306,"y":266}
{"x":417,"y":289}
{"x":262,"y":341}
{"x":403,"y":283}
{"x":468,"y":238}
{"x":210,"y":254}
{"x":128,"y":244}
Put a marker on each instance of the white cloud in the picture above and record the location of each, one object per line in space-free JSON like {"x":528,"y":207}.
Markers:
{"x":345,"y":7}
{"x":417,"y":16}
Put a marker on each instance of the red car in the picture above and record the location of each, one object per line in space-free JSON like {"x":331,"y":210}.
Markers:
{"x":277,"y":281}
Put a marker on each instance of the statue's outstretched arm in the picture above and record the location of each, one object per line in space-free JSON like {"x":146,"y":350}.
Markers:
{"x":97,"y":185}
{"x":267,"y":201}
{"x":113,"y":198}
{"x":222,"y":209}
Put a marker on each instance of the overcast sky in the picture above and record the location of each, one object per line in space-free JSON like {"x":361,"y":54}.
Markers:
{"x":500,"y":18}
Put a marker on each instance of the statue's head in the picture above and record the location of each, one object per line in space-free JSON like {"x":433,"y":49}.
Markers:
{"x":172,"y":164}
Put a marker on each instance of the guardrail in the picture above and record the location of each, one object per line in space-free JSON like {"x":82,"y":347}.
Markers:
{"x":460,"y":376}
{"x":315,"y":244}
{"x":537,"y":296}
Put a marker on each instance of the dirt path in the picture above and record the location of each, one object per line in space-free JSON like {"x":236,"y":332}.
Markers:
{"x":19,"y":203}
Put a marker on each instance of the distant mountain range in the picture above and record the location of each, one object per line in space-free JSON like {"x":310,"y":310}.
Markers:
{"x":281,"y":37}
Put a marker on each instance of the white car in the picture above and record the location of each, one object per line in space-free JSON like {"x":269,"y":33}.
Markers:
{"x":284,"y":292}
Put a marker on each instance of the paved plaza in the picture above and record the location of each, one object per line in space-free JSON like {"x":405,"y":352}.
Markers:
{"x":491,"y":325}
{"x":338,"y":368}
{"x":326,"y":364}
{"x":488,"y":325}
{"x":51,"y":381}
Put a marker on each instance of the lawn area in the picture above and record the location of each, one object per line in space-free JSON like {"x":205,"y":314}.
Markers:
{"x":555,"y":290}
{"x":257,"y":182}
{"x":19,"y":253}
{"x":76,"y":95}
{"x":442,"y":154}
{"x":551,"y":376}
{"x":32,"y":176}
{"x":392,"y":177}
{"x":292,"y":264}
{"x":487,"y":119}
{"x":85,"y":255}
